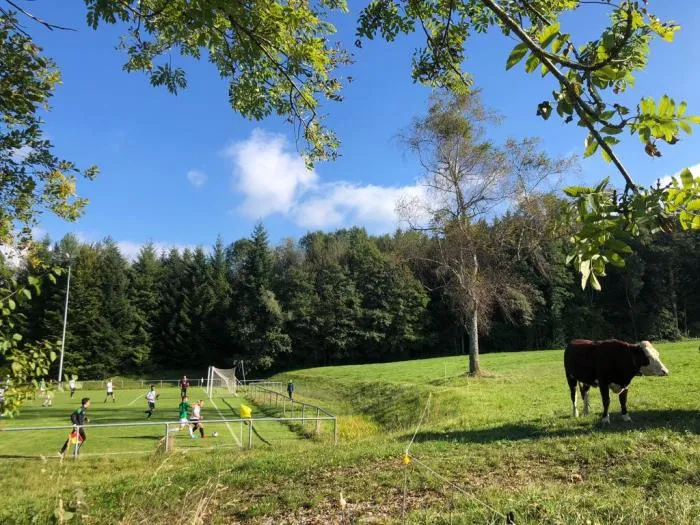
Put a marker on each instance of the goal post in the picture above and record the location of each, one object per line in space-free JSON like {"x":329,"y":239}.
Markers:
{"x":221,"y":377}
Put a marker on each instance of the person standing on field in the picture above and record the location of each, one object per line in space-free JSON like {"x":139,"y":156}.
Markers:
{"x":290,"y":389}
{"x":110,"y":392}
{"x":78,"y":418}
{"x":71,"y":385}
{"x":151,"y":397}
{"x":184,"y":385}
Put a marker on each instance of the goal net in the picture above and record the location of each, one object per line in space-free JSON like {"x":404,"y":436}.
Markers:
{"x":221,"y":378}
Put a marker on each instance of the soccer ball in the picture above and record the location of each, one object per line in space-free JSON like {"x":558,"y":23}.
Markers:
{"x":215,"y":434}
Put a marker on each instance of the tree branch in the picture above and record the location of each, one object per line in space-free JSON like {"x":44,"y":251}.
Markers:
{"x":580,"y":106}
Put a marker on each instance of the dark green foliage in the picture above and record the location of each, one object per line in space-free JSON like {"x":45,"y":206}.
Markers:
{"x":340,"y":297}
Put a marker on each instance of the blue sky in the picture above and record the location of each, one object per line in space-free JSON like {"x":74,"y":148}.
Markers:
{"x":180,"y":170}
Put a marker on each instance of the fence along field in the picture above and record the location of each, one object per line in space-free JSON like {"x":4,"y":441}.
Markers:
{"x":121,"y":427}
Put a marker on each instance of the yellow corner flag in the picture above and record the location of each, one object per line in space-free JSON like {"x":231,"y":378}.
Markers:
{"x":406,"y":459}
{"x":246,"y":411}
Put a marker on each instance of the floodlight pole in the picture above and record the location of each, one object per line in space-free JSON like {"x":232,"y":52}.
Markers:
{"x":65,"y":322}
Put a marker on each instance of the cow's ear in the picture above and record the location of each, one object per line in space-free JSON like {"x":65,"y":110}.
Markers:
{"x":640,"y":357}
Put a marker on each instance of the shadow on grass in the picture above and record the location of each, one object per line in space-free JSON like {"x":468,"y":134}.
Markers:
{"x":676,"y":420}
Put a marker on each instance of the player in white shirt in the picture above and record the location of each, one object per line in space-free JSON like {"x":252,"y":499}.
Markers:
{"x":110,"y":392}
{"x":151,"y":397}
{"x":196,"y":419}
{"x":71,"y":385}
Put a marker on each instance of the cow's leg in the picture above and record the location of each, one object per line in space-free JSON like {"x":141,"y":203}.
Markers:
{"x":572,"y":389}
{"x":586,"y":401}
{"x":623,"y":405}
{"x":605,"y":395}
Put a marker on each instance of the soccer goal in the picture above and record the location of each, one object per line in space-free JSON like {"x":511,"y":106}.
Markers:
{"x":221,"y":377}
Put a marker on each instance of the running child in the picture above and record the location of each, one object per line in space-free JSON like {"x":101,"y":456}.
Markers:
{"x":151,"y":397}
{"x":110,"y":392}
{"x":184,"y":408}
{"x":196,"y":419}
{"x":78,"y":418}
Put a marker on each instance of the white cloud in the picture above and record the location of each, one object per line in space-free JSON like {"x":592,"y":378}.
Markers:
{"x":270,"y":177}
{"x":665,"y":181}
{"x":197,"y":178}
{"x":344,"y":203}
{"x":274,"y":179}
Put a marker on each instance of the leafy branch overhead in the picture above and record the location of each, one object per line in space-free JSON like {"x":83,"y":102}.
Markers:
{"x":589,"y":80}
{"x":277,"y":56}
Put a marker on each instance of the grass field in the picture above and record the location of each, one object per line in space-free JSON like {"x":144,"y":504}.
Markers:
{"x":488,"y":447}
{"x":129,"y":407}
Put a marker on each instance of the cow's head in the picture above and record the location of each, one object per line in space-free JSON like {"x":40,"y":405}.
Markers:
{"x":651,"y":363}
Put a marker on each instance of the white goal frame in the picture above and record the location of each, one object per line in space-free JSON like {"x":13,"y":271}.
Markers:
{"x":229,"y":381}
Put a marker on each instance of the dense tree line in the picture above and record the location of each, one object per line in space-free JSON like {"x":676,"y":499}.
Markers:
{"x":340,"y":297}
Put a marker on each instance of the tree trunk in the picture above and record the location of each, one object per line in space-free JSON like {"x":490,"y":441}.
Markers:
{"x":631,"y":311}
{"x":674,"y":302}
{"x":473,"y":330}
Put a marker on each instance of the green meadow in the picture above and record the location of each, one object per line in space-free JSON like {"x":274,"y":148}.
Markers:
{"x":488,"y":448}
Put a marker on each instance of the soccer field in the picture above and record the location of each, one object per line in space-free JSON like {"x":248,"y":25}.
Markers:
{"x":129,"y":409}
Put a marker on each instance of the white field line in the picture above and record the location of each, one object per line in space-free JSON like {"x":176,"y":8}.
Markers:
{"x":227,"y":425}
{"x":135,"y":400}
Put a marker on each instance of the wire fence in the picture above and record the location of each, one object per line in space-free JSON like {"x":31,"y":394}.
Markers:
{"x":160,"y":436}
{"x":283,"y":406}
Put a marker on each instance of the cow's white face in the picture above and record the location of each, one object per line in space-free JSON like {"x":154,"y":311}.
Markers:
{"x":655,"y":366}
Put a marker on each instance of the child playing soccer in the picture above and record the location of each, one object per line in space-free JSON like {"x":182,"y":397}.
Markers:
{"x":78,"y":418}
{"x":196,"y":419}
{"x":110,"y":392}
{"x":184,"y":408}
{"x":151,"y":397}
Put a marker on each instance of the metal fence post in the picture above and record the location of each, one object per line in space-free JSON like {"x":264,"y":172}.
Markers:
{"x":284,"y":407}
{"x":167,"y":438}
{"x":318,"y":422}
{"x":303,"y":422}
{"x":250,"y":434}
{"x":241,"y":432}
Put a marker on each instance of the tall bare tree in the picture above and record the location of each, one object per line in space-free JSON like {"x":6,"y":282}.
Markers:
{"x":469,"y":180}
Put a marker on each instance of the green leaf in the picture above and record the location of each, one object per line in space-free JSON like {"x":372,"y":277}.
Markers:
{"x":682,"y":107}
{"x":618,"y":246}
{"x":575,"y":191}
{"x":11,"y":303}
{"x":687,"y":178}
{"x":595,"y":284}
{"x":516,"y":55}
{"x":27,"y":293}
{"x":591,"y":145}
{"x":693,"y":205}
{"x":548,"y":34}
{"x":17,"y":337}
{"x":531,"y":63}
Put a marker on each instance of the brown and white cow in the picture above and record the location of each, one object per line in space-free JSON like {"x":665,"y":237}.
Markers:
{"x":608,"y":364}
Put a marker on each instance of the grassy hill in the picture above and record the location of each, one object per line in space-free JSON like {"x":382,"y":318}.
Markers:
{"x":487,"y":447}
